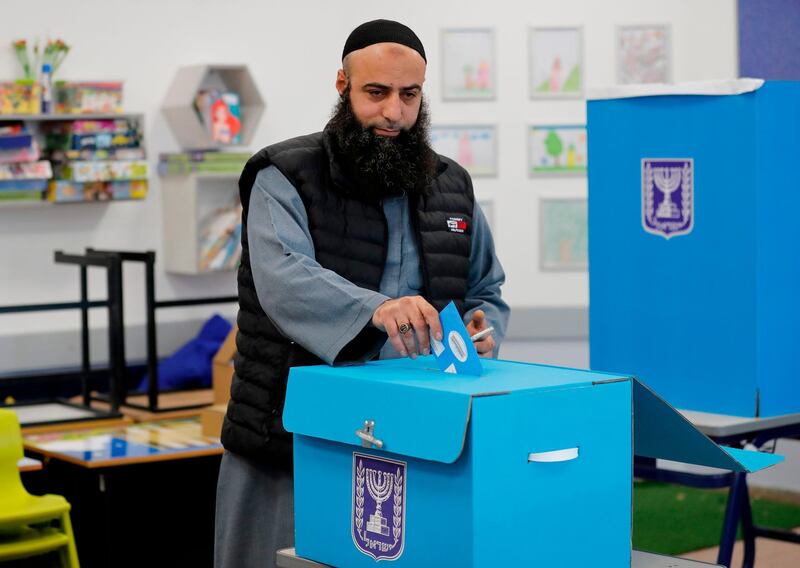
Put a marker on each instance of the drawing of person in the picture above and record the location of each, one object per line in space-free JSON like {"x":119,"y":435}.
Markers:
{"x":224,"y":125}
{"x":483,"y":75}
{"x":555,"y":75}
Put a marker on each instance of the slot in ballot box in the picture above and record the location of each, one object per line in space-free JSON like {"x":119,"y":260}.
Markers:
{"x":693,"y":230}
{"x":524,"y":465}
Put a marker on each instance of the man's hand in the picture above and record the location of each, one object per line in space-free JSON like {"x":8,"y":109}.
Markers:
{"x":484,"y":347}
{"x":413,"y":312}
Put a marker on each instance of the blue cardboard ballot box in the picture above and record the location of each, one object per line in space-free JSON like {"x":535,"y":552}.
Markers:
{"x":525,"y":465}
{"x":693,"y":235}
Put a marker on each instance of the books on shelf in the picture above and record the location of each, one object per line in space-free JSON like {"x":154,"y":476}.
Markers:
{"x":103,"y":154}
{"x":221,"y":115}
{"x":220,"y":240}
{"x":211,"y":161}
{"x":103,"y":170}
{"x":64,"y":191}
{"x":88,"y":97}
{"x":23,"y":176}
{"x":92,"y":134}
{"x":15,"y":137}
{"x":81,"y":160}
{"x":29,"y":154}
{"x":26,"y":170}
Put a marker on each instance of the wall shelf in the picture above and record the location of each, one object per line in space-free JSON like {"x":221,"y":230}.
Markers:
{"x":188,"y":200}
{"x":37,"y":124}
{"x":182,"y":116}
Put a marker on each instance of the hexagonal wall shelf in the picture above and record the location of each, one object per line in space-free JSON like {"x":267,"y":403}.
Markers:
{"x":182,"y":116}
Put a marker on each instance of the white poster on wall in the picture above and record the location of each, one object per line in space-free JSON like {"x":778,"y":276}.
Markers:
{"x":644,"y":54}
{"x":556,"y":62}
{"x":468,"y":64}
{"x":473,"y":147}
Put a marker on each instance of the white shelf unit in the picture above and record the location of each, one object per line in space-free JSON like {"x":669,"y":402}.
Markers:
{"x":180,"y":112}
{"x":187,"y":200}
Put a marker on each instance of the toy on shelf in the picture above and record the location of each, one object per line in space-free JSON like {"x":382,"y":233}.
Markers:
{"x":20,"y":97}
{"x":88,"y":97}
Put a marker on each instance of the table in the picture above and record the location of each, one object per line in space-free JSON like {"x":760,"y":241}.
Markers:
{"x":287,"y":558}
{"x":141,"y":494}
{"x":181,"y":404}
{"x":735,"y":431}
{"x":27,"y":465}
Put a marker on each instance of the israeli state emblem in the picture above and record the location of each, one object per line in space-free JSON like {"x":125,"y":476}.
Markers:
{"x":379,"y":506}
{"x":668,"y":196}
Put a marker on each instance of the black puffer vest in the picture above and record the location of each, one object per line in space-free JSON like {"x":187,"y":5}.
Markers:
{"x":350,"y":238}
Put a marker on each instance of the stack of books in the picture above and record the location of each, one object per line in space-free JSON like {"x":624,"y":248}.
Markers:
{"x":96,"y":160}
{"x":23,"y":176}
{"x":204,"y":161}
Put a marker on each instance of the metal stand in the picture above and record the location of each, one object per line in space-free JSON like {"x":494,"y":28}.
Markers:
{"x":112,"y":261}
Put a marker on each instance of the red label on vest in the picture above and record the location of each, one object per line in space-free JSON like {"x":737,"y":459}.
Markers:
{"x":456,"y":225}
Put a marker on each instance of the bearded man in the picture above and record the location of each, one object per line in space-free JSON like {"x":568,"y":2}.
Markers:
{"x":353,"y":239}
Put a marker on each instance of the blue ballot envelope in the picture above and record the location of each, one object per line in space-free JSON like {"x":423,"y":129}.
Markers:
{"x":526,"y":465}
{"x":694,"y":270}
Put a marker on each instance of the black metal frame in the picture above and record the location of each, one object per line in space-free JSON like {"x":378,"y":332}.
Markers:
{"x":112,"y":261}
{"x":738,"y":508}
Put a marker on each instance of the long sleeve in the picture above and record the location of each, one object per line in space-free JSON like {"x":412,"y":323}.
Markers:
{"x":486,"y":275}
{"x":311,"y":305}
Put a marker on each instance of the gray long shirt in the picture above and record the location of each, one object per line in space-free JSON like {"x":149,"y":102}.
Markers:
{"x":322,"y":311}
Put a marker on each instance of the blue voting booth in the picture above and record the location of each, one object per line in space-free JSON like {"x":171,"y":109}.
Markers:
{"x":693,"y":236}
{"x":524,"y":465}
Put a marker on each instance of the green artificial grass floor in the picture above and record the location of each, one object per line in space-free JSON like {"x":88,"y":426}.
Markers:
{"x":673,"y":519}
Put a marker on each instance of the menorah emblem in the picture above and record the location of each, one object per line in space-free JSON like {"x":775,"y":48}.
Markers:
{"x":379,"y":506}
{"x":668,"y":196}
{"x":380,"y":486}
{"x":667,"y":180}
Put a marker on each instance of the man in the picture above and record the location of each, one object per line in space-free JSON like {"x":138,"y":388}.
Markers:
{"x":354,"y":238}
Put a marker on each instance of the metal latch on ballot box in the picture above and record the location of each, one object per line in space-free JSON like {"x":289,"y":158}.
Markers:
{"x":368,"y":440}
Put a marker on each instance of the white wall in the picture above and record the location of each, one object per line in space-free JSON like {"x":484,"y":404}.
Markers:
{"x":293,"y":50}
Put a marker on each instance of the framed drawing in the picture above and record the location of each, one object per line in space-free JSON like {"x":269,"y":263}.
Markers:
{"x":555,"y":57}
{"x":563,"y":235}
{"x":473,"y":147}
{"x":468,"y":64}
{"x":557,"y":150}
{"x":644,"y":54}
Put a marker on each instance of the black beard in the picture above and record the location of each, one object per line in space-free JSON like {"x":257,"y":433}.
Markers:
{"x":381,"y":166}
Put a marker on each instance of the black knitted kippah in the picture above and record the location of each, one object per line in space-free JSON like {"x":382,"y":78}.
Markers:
{"x":381,"y":31}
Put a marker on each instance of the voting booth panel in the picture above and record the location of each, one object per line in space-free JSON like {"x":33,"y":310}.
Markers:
{"x":692,"y":230}
{"x":395,"y":460}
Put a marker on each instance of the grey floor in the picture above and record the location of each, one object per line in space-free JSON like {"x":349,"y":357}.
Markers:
{"x":784,"y":476}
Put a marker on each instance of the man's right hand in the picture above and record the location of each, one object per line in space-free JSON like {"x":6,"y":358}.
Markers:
{"x":419,"y":314}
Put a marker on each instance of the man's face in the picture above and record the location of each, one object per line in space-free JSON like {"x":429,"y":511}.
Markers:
{"x":385,"y":86}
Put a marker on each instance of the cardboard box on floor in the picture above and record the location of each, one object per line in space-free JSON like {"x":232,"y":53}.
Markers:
{"x":222,"y":375}
{"x":524,"y":464}
{"x":222,"y":369}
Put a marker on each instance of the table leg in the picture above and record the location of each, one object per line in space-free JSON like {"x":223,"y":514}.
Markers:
{"x":732,"y":515}
{"x":748,"y":532}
